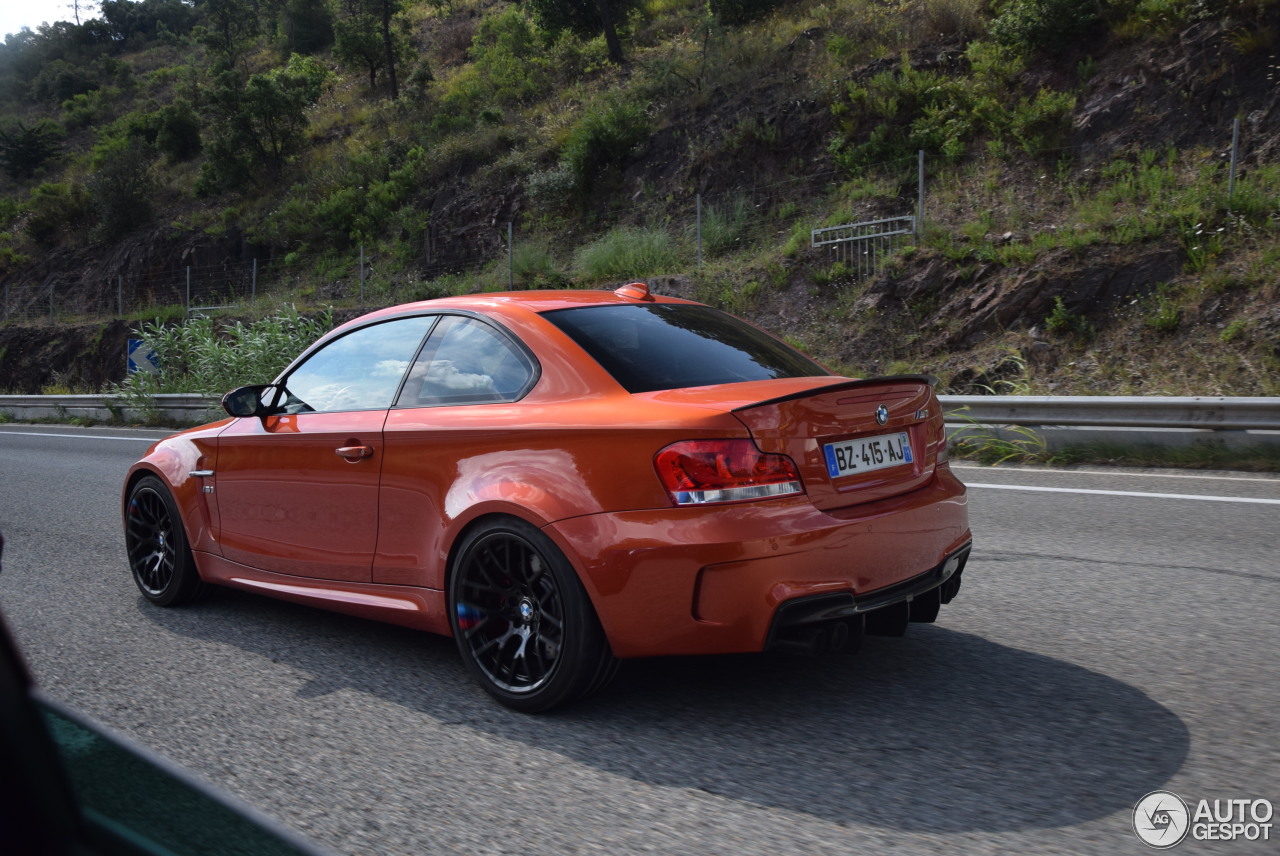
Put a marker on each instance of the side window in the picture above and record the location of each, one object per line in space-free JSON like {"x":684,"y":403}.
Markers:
{"x":467,"y":362}
{"x":360,"y":371}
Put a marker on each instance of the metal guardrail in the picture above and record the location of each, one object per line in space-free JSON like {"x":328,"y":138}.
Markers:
{"x":1198,"y":412}
{"x":1153,"y":412}
{"x":177,"y":409}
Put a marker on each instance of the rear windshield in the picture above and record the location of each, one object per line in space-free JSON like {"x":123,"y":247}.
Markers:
{"x":671,"y":346}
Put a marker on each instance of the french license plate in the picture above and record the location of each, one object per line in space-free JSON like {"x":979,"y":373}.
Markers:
{"x":867,"y":453}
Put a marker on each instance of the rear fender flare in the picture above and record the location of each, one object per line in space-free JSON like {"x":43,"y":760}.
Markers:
{"x":485,"y":512}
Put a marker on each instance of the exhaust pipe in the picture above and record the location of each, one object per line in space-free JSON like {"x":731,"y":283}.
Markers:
{"x":951,"y":587}
{"x":846,"y":636}
{"x":842,"y":637}
{"x":802,"y":640}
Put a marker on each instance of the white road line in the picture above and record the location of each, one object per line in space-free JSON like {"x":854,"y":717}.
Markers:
{"x":1124,"y":474}
{"x":1126,"y":493}
{"x":82,"y":436}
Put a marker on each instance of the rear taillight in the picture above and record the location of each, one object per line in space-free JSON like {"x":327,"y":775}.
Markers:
{"x":697,"y":472}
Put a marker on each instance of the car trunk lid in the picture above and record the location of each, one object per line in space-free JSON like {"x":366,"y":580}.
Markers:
{"x":853,"y":441}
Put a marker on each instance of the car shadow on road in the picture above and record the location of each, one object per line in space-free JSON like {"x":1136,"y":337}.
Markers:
{"x":940,"y":731}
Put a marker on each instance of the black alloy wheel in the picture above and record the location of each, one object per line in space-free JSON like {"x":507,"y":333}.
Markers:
{"x":156,"y":542}
{"x":523,"y":623}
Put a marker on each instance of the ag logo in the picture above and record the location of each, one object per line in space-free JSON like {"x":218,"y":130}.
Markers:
{"x":1161,"y":819}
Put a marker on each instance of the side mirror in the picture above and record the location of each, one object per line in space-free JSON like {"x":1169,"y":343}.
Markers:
{"x":248,"y":400}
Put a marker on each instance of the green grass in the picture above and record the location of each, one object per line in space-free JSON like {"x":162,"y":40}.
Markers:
{"x":533,"y":266}
{"x":998,"y":445}
{"x":629,"y":253}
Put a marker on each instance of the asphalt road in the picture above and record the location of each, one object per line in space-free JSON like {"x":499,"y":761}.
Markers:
{"x":1104,"y":645}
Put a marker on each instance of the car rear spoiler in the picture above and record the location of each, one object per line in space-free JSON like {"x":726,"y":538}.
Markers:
{"x":927,"y":380}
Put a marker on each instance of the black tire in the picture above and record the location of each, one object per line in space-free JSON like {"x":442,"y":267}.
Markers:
{"x":156,"y":542}
{"x":523,"y":622}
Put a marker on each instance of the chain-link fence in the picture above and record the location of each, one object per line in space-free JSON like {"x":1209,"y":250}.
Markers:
{"x":198,"y":289}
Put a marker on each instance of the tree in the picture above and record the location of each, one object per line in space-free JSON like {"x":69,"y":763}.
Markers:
{"x":178,"y":131}
{"x":25,"y":148}
{"x":365,"y":37}
{"x":148,"y":19}
{"x":121,"y":186}
{"x":228,"y":27}
{"x":260,"y":123}
{"x":60,"y":80}
{"x":584,"y":17}
{"x":76,"y":5}
{"x":308,"y":26}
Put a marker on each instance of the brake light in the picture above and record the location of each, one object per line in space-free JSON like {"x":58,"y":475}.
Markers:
{"x":697,"y":472}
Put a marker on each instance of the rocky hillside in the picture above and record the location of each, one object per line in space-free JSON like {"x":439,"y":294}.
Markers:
{"x":1084,"y":232}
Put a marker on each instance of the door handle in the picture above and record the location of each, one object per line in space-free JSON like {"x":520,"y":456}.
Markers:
{"x":354,"y":453}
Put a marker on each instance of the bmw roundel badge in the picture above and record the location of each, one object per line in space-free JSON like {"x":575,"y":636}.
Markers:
{"x":882,"y":414}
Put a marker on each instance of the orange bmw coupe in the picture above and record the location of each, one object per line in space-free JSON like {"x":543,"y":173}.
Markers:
{"x":559,"y":480}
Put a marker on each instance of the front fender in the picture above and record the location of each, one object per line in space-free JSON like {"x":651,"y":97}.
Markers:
{"x":173,"y":460}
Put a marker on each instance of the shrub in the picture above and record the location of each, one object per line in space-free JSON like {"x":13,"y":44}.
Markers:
{"x":603,"y":138}
{"x":1044,"y":25}
{"x":961,"y":18}
{"x":178,"y":131}
{"x":10,"y":260}
{"x":57,"y":210}
{"x":532,"y":266}
{"x":60,"y":80}
{"x":552,"y":188}
{"x":628,"y":253}
{"x":726,"y":224}
{"x":120,"y":188}
{"x":370,"y":198}
{"x":1039,"y":124}
{"x":910,"y":109}
{"x":1165,"y":315}
{"x":25,"y":148}
{"x":509,"y":56}
{"x":87,"y":108}
{"x":1062,"y":320}
{"x":570,"y":57}
{"x":1237,"y":329}
{"x":260,"y":122}
{"x":197,"y":356}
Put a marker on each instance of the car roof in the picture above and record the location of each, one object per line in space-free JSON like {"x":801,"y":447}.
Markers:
{"x":514,"y":302}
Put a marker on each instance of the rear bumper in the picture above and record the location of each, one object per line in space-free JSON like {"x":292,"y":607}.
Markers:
{"x":888,"y":609}
{"x":711,"y":580}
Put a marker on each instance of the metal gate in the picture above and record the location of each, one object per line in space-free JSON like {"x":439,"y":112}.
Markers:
{"x":862,"y":245}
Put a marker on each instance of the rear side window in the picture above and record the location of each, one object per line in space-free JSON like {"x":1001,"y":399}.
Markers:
{"x":466,"y":361}
{"x":673,"y":346}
